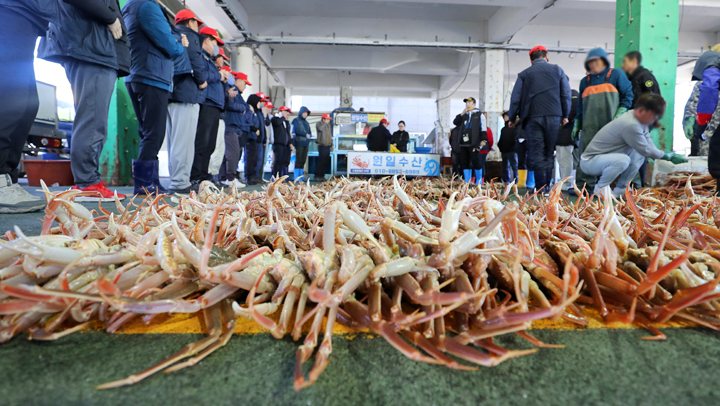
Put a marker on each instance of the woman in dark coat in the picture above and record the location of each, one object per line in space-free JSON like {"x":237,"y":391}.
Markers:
{"x":400,"y":138}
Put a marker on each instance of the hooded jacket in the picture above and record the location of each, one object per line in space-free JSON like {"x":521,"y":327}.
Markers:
{"x":189,"y":70}
{"x":258,"y":122}
{"x":707,"y":68}
{"x":507,"y":139}
{"x":302,"y":129}
{"x":81,"y":32}
{"x":616,"y":78}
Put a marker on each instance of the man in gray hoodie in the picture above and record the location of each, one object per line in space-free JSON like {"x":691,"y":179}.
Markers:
{"x":620,"y":148}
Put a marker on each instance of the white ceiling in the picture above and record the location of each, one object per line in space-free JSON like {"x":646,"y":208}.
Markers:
{"x":320,"y":69}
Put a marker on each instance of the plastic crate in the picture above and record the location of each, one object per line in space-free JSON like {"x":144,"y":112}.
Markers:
{"x":662,"y":168}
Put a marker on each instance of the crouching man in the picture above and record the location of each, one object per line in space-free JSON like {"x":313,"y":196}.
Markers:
{"x":619,"y":149}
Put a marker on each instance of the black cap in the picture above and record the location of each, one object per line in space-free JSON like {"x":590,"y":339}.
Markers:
{"x":470,"y":99}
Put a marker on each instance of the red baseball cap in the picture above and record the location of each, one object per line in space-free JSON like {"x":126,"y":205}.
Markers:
{"x":184,"y":15}
{"x":262,"y":96}
{"x":326,"y":115}
{"x":213,"y":33}
{"x":538,"y":48}
{"x":384,"y":121}
{"x":243,"y":77}
{"x":227,"y":68}
{"x":283,"y":108}
{"x":269,"y":105}
{"x":222,"y":53}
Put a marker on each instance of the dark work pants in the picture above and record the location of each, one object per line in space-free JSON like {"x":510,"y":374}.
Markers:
{"x":18,"y":92}
{"x":323,"y":162}
{"x":457,"y":170}
{"x":470,"y":159}
{"x":510,"y":167}
{"x":151,"y":108}
{"x":228,"y":169}
{"x":523,"y":156}
{"x":281,"y":159}
{"x":251,"y":155}
{"x":541,"y":135}
{"x":92,"y":87}
{"x":205,"y":140}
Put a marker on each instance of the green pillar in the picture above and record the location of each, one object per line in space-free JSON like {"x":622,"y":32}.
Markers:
{"x":123,"y":141}
{"x":651,"y":27}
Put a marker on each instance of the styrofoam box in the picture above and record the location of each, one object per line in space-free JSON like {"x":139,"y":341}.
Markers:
{"x":662,"y":168}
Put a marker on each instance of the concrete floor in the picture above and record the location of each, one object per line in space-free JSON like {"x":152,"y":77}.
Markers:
{"x":598,"y":367}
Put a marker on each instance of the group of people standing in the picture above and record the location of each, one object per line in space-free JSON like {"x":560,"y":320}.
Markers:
{"x":549,"y":120}
{"x":379,"y":138}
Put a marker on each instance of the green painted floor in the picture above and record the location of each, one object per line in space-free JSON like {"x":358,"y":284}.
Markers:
{"x":598,"y":367}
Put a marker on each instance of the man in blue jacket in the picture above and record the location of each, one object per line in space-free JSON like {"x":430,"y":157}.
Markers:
{"x":236,"y":129}
{"x":90,"y":41}
{"x":541,"y":99}
{"x":301,"y":141}
{"x":256,"y":135}
{"x":189,"y":83}
{"x":707,"y":69}
{"x":152,"y":49}
{"x":22,"y":22}
{"x":210,"y":108}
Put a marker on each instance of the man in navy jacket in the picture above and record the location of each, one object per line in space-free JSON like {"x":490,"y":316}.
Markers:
{"x":22,"y":22}
{"x":189,"y":83}
{"x":236,"y":128}
{"x":90,"y":40}
{"x":152,"y":49}
{"x":210,"y":108}
{"x":541,"y":99}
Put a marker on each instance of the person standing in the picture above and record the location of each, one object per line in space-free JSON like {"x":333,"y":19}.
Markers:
{"x":605,"y":94}
{"x":541,"y":101}
{"x":282,"y":143}
{"x":565,"y":144}
{"x":400,"y":138}
{"x":210,"y":109}
{"x":236,"y":129}
{"x":254,"y":139}
{"x":708,"y":68}
{"x":301,"y":141}
{"x":90,"y":40}
{"x":152,"y":49}
{"x":263,"y":148}
{"x":22,"y":23}
{"x":189,"y":84}
{"x":473,"y":138}
{"x":619,"y":148}
{"x":379,"y":137}
{"x":507,"y":146}
{"x":218,"y":154}
{"x":643,"y":81}
{"x":455,"y":135}
{"x":325,"y":145}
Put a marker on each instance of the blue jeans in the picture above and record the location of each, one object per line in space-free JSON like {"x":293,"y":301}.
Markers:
{"x":510,"y":166}
{"x":541,"y":135}
{"x":613,"y":166}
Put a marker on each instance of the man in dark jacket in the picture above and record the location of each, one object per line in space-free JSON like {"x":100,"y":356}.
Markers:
{"x":189,"y":83}
{"x":152,"y":49}
{"x":473,"y":138}
{"x":643,"y":81}
{"x":254,"y":139}
{"x":379,"y":137}
{"x":236,"y":129}
{"x":302,"y":130}
{"x":565,"y":145}
{"x":210,"y":108}
{"x":23,"y":21}
{"x":507,"y":145}
{"x":541,"y":100}
{"x":400,"y":138}
{"x":282,"y":143}
{"x":94,"y":53}
{"x":455,"y":135}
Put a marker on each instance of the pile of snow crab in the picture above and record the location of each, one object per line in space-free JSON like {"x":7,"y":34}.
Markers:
{"x":437,"y":277}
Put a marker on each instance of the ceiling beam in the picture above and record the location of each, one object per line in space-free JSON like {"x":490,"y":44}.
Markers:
{"x":509,"y":20}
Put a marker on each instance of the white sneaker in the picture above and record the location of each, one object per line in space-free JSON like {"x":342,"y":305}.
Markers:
{"x":15,"y":199}
{"x":238,"y":184}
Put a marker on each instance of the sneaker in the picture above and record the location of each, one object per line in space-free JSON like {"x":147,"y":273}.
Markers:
{"x":174,"y":191}
{"x":15,"y":199}
{"x":100,"y":193}
{"x":238,"y":184}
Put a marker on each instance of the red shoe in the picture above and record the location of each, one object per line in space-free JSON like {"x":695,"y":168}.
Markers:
{"x":101,"y":193}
